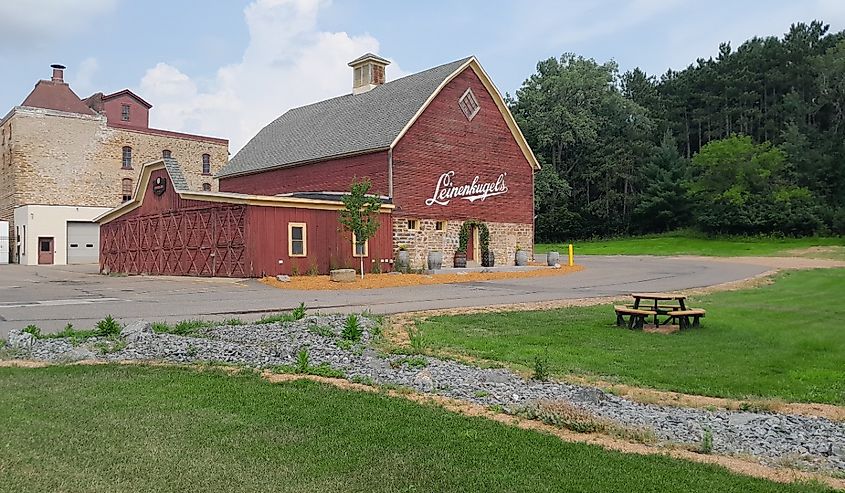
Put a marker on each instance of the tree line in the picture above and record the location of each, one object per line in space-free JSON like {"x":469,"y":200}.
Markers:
{"x":749,"y":142}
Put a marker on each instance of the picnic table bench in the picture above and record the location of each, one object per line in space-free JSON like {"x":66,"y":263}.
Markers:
{"x":677,"y":313}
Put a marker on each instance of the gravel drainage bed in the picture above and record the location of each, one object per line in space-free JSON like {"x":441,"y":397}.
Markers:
{"x":808,"y":443}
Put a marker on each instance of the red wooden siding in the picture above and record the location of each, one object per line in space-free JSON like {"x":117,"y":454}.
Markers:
{"x":442,"y":139}
{"x":171,"y":236}
{"x":327,"y":176}
{"x":167,"y":235}
{"x":327,"y":246}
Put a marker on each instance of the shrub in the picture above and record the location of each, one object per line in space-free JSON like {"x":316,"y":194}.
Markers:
{"x":33,"y":329}
{"x":352,"y":330}
{"x":706,"y":445}
{"x":313,"y":270}
{"x":108,"y":327}
{"x":302,"y":361}
{"x":541,"y":367}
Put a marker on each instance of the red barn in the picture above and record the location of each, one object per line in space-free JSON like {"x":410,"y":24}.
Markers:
{"x":439,"y":146}
{"x":169,"y":230}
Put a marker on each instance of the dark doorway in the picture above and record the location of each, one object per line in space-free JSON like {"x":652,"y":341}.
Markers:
{"x":45,"y":251}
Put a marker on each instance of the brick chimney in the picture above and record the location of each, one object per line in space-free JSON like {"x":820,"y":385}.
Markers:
{"x":58,"y":73}
{"x":367,"y":72}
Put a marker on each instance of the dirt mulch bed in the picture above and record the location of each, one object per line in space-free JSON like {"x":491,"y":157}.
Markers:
{"x":376,"y":281}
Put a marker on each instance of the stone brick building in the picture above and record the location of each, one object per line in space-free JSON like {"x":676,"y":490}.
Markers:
{"x":64,"y":161}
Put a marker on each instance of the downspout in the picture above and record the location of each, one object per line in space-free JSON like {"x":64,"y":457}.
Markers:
{"x":390,"y":173}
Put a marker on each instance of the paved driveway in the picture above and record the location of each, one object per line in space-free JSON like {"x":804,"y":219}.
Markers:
{"x":50,"y":297}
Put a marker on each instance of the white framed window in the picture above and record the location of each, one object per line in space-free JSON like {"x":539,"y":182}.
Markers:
{"x":469,"y":105}
{"x":413,"y":224}
{"x":360,"y":249}
{"x":297,"y":240}
{"x":440,"y":225}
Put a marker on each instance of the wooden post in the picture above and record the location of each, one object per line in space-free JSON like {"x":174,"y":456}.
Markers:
{"x":571,"y":256}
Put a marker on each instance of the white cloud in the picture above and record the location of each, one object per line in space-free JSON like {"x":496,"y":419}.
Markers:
{"x":27,"y":23}
{"x":288,"y":63}
{"x":82,"y":79}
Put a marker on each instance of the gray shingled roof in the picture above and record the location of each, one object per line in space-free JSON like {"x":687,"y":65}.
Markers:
{"x":176,"y":176}
{"x":344,"y":125}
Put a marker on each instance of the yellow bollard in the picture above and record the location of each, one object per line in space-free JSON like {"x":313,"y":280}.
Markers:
{"x":571,"y":256}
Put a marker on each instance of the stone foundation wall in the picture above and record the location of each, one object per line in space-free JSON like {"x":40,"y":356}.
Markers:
{"x":504,"y":237}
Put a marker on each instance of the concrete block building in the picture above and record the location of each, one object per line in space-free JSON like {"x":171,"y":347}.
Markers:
{"x":65,"y":160}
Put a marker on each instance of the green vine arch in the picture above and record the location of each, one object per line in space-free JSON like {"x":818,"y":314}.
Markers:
{"x":483,"y":236}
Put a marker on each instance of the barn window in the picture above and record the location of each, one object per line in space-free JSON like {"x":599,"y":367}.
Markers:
{"x":126,"y":186}
{"x":206,"y":164}
{"x":127,"y":157}
{"x":165,"y":153}
{"x":360,"y":248}
{"x":206,"y":187}
{"x":439,"y":225}
{"x":468,"y":104}
{"x":413,"y":224}
{"x":124,"y":112}
{"x":297,"y":240}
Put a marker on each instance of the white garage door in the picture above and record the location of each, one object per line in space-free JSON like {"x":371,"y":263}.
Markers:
{"x":83,"y":243}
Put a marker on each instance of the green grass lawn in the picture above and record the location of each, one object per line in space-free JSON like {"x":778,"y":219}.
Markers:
{"x":682,"y":243}
{"x":120,"y":428}
{"x":784,"y":340}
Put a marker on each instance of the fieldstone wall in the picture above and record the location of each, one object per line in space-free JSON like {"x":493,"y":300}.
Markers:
{"x":504,"y":237}
{"x":51,"y":157}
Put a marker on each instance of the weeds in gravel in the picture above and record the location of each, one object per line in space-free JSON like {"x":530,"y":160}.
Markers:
{"x":233,"y":321}
{"x":108,"y":327}
{"x":321,"y":330}
{"x":303,"y":366}
{"x":496,"y":408}
{"x":303,"y":360}
{"x":34,"y":330}
{"x":412,"y":362}
{"x":352,"y":330}
{"x":111,"y":345}
{"x":706,"y":446}
{"x":481,"y":394}
{"x":345,"y":344}
{"x":298,"y":313}
{"x":183,"y":328}
{"x":569,"y":417}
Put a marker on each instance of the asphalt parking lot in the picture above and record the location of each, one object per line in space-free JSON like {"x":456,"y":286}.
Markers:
{"x":52,"y":296}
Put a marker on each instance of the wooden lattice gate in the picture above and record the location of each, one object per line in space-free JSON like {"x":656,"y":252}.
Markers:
{"x":186,"y":242}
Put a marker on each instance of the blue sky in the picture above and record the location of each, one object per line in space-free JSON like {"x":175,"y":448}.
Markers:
{"x":228,"y":67}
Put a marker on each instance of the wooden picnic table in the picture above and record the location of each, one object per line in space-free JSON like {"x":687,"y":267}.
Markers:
{"x":657,"y":298}
{"x":638,"y":312}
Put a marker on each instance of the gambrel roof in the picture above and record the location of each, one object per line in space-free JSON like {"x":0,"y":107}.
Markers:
{"x":355,"y":123}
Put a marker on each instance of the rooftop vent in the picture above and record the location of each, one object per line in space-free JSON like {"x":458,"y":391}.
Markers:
{"x":367,"y":72}
{"x":58,"y":73}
